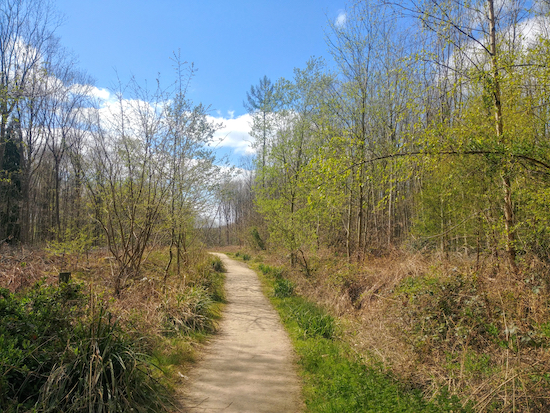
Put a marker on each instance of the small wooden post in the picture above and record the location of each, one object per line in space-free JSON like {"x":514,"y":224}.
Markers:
{"x":64,"y":277}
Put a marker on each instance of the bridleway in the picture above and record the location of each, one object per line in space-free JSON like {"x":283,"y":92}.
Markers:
{"x":248,"y":366}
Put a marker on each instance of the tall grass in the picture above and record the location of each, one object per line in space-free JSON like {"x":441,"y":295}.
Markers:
{"x":102,"y":370}
{"x":335,"y":378}
{"x":61,"y":354}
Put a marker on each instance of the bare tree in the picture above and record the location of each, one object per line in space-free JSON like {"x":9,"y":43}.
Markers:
{"x":26,"y":34}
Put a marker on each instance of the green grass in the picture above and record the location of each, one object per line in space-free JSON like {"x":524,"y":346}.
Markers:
{"x":335,"y":379}
{"x":60,"y":352}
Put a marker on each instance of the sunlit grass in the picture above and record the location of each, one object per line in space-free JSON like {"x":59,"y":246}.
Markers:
{"x":336,"y":379}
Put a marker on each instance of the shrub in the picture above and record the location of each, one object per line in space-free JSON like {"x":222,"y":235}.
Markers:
{"x":34,"y":330}
{"x":58,"y":357}
{"x":102,"y":370}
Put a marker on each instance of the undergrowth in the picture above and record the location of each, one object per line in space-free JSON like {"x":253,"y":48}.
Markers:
{"x":335,"y":378}
{"x":453,"y":326}
{"x":77,"y":348}
{"x":63,"y":353}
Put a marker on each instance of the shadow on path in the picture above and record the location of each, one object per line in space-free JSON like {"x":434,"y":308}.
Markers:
{"x":248,"y":367}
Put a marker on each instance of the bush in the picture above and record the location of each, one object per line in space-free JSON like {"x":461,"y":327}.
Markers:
{"x":441,"y":310}
{"x":102,"y":370}
{"x":34,"y":330}
{"x":58,"y":357}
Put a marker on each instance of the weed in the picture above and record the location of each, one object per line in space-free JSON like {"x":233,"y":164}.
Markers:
{"x":283,"y":288}
{"x":217,"y":264}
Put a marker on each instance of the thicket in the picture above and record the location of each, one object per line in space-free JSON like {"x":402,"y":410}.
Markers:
{"x":77,"y":347}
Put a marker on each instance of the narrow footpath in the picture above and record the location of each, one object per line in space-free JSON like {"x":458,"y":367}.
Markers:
{"x":248,"y":366}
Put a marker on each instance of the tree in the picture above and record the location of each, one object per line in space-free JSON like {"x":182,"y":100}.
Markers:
{"x":150,"y":174}
{"x":284,"y":198}
{"x":191,"y":172}
{"x":261,"y":102}
{"x":26,"y":34}
{"x":485,"y":83}
{"x":371,"y":101}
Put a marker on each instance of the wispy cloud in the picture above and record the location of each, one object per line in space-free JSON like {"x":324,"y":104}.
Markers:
{"x":341,"y":19}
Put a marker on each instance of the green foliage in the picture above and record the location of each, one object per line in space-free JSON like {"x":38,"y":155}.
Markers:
{"x":283,"y":288}
{"x":102,"y":370}
{"x":257,"y":239}
{"x":34,"y":330}
{"x":217,"y":264}
{"x":58,"y":355}
{"x":311,"y":320}
{"x":195,"y":308}
{"x":338,"y":381}
{"x":268,"y":270}
{"x":209,"y":279}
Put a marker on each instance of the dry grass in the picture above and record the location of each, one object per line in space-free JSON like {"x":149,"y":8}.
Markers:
{"x":23,"y":267}
{"x":438,"y":322}
{"x":143,"y":306}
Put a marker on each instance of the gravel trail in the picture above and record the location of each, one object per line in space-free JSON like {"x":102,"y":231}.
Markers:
{"x":248,"y":366}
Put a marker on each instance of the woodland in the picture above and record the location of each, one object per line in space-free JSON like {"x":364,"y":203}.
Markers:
{"x":404,"y":186}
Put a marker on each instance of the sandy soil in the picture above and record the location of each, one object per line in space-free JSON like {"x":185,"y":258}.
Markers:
{"x":249,"y":366}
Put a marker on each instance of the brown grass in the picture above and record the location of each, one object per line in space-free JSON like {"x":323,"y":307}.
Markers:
{"x":496,"y":358}
{"x":142,"y":305}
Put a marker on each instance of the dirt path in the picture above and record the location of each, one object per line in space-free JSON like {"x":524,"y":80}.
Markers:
{"x":248,"y":366}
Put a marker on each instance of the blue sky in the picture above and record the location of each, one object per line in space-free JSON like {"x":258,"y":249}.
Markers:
{"x":231,"y":43}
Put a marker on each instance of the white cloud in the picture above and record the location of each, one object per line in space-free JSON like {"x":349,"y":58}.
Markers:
{"x":341,"y":19}
{"x":235,"y":134}
{"x":100,"y":93}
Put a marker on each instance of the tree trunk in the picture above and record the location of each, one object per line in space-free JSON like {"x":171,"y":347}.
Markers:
{"x":499,"y":129}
